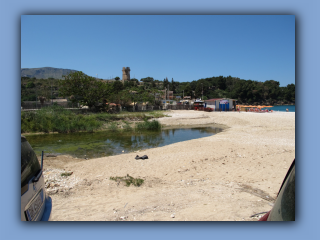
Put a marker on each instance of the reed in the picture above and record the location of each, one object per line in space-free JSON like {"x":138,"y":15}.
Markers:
{"x":149,"y":125}
{"x":113,"y":127}
{"x":61,"y":120}
{"x":57,"y":119}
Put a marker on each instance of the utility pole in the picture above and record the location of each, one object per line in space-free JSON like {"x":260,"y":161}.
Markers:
{"x":36,"y":98}
{"x":165,"y":94}
{"x":51,"y":92}
{"x":202,"y":91}
{"x":183,"y":97}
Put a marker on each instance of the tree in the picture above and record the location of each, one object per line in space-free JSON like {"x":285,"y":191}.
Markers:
{"x":30,"y":84}
{"x":153,"y":93}
{"x":86,"y":89}
{"x":188,"y":90}
{"x":272,"y":88}
{"x":147,"y":79}
{"x":128,"y":84}
{"x":290,"y":92}
{"x":221,"y":83}
{"x":230,"y":82}
{"x":117,"y":78}
{"x":134,"y":80}
{"x":117,"y":86}
{"x":135,"y":95}
{"x":173,"y":86}
{"x":198,"y":90}
{"x":165,"y":83}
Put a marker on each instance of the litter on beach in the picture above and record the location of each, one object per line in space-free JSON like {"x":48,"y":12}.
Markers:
{"x":143,"y":157}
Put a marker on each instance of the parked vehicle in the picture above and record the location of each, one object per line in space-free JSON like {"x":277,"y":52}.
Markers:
{"x":36,"y":205}
{"x":284,"y":207}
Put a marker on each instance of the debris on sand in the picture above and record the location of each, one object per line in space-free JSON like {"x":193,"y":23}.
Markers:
{"x":143,"y":157}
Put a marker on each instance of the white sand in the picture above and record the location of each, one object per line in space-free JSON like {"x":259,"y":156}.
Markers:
{"x":225,"y":177}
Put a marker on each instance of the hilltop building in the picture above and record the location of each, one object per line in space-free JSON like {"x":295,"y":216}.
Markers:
{"x":125,"y":74}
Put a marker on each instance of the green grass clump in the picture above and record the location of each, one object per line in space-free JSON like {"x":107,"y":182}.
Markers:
{"x":113,"y":127}
{"x":146,"y":125}
{"x":105,"y":117}
{"x":138,"y":115}
{"x":66,"y":174}
{"x":58,"y":119}
{"x":127,"y":126}
{"x":61,"y":120}
{"x":128,"y":180}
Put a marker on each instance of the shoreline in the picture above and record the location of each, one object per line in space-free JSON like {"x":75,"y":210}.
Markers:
{"x":225,"y":177}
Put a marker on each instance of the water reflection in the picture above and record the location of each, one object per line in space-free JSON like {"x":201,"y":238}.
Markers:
{"x":93,"y":145}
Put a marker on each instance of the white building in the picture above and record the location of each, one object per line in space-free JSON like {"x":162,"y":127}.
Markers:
{"x":223,"y":104}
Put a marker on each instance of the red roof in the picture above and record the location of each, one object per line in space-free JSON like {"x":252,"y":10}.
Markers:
{"x":213,"y":99}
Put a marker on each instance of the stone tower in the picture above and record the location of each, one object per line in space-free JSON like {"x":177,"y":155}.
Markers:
{"x":125,"y":74}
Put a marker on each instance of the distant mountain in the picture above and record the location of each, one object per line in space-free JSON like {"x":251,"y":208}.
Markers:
{"x":45,"y":72}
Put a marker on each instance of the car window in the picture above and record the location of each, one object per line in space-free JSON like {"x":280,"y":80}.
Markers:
{"x":284,"y":207}
{"x":30,"y":166}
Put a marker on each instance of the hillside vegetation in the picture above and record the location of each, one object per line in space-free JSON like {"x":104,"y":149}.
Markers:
{"x":45,"y":72}
{"x":89,"y":91}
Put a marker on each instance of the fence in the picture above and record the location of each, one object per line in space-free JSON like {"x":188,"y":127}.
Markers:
{"x":39,"y":105}
{"x":29,"y":105}
{"x":180,"y":107}
{"x":142,"y":108}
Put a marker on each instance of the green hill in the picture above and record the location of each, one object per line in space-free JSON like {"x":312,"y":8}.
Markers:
{"x":45,"y":72}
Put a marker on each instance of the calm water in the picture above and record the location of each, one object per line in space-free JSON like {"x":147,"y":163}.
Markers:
{"x":282,"y":108}
{"x":100,"y":144}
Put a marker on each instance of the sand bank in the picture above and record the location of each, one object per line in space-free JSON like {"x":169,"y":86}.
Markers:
{"x":225,"y":177}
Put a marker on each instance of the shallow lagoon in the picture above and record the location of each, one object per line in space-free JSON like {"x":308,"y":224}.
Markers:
{"x":101,"y":144}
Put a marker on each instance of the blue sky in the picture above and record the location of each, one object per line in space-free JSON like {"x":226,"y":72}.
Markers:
{"x":182,"y":47}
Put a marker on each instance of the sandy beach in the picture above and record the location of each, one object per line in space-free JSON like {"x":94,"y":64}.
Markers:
{"x":229,"y":176}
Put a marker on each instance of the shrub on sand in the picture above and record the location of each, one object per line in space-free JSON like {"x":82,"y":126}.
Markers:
{"x":128,"y":180}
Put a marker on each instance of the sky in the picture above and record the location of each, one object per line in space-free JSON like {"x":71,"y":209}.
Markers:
{"x":180,"y":47}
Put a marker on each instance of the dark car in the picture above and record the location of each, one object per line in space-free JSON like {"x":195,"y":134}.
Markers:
{"x":36,"y":205}
{"x":284,"y":207}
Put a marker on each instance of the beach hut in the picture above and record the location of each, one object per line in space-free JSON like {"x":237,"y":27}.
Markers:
{"x":226,"y":104}
{"x":223,"y":104}
{"x":213,"y":103}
